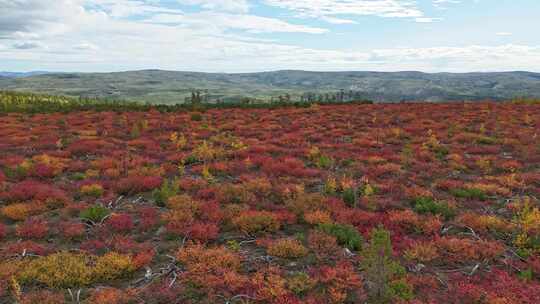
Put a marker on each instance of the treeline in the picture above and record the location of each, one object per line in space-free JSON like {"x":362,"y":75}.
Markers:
{"x":19,"y":102}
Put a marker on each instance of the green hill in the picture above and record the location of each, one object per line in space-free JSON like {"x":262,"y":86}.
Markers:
{"x":157,"y":86}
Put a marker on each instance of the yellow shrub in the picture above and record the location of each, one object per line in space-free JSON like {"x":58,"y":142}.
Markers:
{"x":94,"y":190}
{"x":113,"y":265}
{"x":65,"y":270}
{"x":287,"y":248}
{"x":60,"y":270}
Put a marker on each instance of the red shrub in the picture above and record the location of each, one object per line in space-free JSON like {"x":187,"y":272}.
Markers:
{"x":148,"y":217}
{"x":24,"y":246}
{"x":43,"y":297}
{"x":72,"y":230}
{"x":120,"y":222}
{"x":203,"y":232}
{"x":211,"y":212}
{"x":93,"y":246}
{"x":136,"y":184}
{"x":3,"y":231}
{"x":33,"y":229}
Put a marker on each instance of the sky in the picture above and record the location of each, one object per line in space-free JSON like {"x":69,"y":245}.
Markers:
{"x":261,"y":35}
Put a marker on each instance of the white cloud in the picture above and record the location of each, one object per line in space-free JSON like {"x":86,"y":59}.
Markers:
{"x":503,"y":34}
{"x":326,"y":8}
{"x":250,"y":23}
{"x":237,"y":6}
{"x":97,"y":35}
{"x":27,"y":45}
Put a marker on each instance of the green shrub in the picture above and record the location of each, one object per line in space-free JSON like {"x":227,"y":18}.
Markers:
{"x":346,"y":235}
{"x":349,"y":197}
{"x":167,"y":190}
{"x":385,"y":274}
{"x":324,"y":162}
{"x":196,"y":117}
{"x":95,"y":213}
{"x":428,"y":205}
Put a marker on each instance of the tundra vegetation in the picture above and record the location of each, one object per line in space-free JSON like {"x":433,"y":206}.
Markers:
{"x":319,"y":204}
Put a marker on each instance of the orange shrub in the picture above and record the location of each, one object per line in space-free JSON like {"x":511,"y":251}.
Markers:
{"x":324,"y":245}
{"x":414,"y":222}
{"x":454,"y":250}
{"x":21,"y":211}
{"x":108,"y":296}
{"x":422,"y":252}
{"x":318,"y":217}
{"x":94,"y":190}
{"x":256,"y":221}
{"x":214,"y":270}
{"x":485,"y":223}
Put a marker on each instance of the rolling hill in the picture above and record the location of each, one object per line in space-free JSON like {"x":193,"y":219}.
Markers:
{"x":158,"y":86}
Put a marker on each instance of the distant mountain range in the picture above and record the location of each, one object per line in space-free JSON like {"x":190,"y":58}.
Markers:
{"x":22,"y":74}
{"x":157,"y":86}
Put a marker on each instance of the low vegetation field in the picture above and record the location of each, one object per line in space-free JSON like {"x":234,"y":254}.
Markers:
{"x":350,"y":203}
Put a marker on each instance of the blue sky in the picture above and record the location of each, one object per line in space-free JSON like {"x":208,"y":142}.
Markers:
{"x":260,"y":35}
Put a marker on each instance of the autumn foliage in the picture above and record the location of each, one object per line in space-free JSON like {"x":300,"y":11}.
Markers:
{"x":385,"y":203}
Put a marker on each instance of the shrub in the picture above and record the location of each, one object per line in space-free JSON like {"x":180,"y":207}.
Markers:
{"x":43,"y":297}
{"x":340,"y":282}
{"x":422,"y":252}
{"x":214,"y":271}
{"x":120,"y":222}
{"x":251,"y":222}
{"x":324,"y":245}
{"x":287,"y":248}
{"x":33,"y":229}
{"x":300,"y":283}
{"x":72,"y":230}
{"x":346,"y":235}
{"x":203,"y":232}
{"x":455,"y":250}
{"x":108,"y":296}
{"x":94,"y":214}
{"x":167,"y":190}
{"x":413,"y":222}
{"x":21,"y":211}
{"x":185,"y":203}
{"x":469,"y":193}
{"x":24,"y":246}
{"x":350,"y":196}
{"x":148,"y":217}
{"x":94,"y":190}
{"x":380,"y":269}
{"x":485,"y":223}
{"x":137,"y":184}
{"x":67,"y":270}
{"x":318,"y":217}
{"x":196,"y":117}
{"x":3,"y":231}
{"x":59,"y":270}
{"x":424,"y":204}
{"x":112,"y":266}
